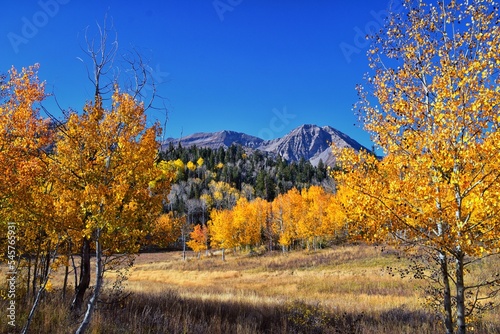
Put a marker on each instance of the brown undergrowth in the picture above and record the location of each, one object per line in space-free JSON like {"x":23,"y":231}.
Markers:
{"x":338,"y":290}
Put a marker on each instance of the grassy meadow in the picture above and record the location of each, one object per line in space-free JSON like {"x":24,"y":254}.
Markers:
{"x":338,"y":290}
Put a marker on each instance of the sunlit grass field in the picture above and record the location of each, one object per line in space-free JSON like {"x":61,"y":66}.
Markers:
{"x":344,"y":279}
{"x":345,"y":289}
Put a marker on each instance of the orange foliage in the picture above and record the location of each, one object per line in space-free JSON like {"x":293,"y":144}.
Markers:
{"x":167,"y":229}
{"x":199,"y":238}
{"x":24,"y":139}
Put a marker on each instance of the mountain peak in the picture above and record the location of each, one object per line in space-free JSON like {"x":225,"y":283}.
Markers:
{"x":311,"y":142}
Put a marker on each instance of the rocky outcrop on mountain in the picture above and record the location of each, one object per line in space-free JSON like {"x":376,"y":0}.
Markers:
{"x":310,"y":142}
{"x":215,"y":140}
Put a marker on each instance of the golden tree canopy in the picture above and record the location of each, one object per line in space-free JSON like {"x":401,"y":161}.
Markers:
{"x":436,"y":82}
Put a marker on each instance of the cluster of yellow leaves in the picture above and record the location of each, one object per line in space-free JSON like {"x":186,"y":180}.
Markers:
{"x":167,"y":229}
{"x":179,"y":167}
{"x":191,"y":166}
{"x":221,"y":195}
{"x":221,"y":229}
{"x":294,"y":216}
{"x":232,"y":228}
{"x":24,"y":138}
{"x":240,"y":226}
{"x":104,"y":162}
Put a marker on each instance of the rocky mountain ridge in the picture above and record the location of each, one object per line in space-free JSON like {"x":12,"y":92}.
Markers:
{"x":308,"y":141}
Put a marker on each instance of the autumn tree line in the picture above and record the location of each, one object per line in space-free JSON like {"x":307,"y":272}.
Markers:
{"x":306,"y":219}
{"x":208,"y":182}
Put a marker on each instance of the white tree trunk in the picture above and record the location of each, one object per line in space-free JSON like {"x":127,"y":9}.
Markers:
{"x":461,"y":323}
{"x":97,"y":289}
{"x":448,"y":314}
{"x":41,"y":290}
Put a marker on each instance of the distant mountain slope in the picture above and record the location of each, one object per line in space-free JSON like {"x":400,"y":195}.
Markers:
{"x":308,"y":141}
{"x":215,"y":140}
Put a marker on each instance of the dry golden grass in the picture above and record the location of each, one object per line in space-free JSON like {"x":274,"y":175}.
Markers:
{"x":344,"y":279}
{"x":339,"y":290}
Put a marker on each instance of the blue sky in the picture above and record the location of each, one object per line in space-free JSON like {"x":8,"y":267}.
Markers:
{"x":261,"y":67}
